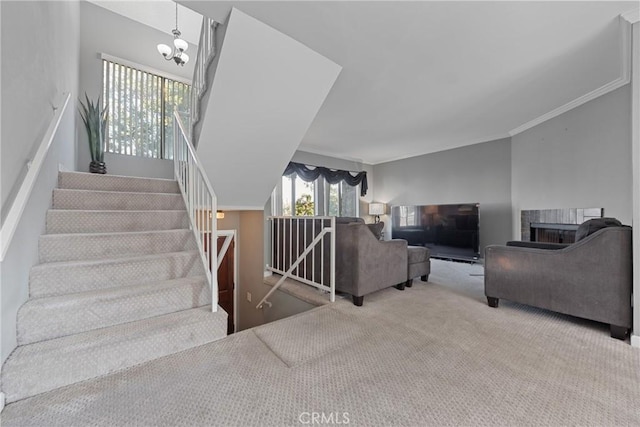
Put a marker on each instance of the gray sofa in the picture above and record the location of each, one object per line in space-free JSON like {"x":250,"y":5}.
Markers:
{"x":591,"y":278}
{"x":365,"y":264}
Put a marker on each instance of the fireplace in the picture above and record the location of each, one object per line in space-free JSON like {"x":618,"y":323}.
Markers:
{"x":553,"y":233}
{"x":554,"y":225}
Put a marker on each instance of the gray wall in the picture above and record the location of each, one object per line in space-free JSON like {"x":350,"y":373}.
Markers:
{"x":102,"y":31}
{"x":580,"y":159}
{"x":476,"y":173}
{"x":42,"y":38}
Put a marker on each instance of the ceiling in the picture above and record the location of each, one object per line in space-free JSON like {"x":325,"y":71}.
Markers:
{"x":425,"y":76}
{"x":158,"y":14}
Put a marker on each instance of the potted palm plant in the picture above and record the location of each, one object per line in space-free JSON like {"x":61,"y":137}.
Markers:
{"x":95,"y":121}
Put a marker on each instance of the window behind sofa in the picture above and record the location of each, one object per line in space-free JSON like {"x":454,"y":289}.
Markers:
{"x":295,"y":197}
{"x":141,"y":105}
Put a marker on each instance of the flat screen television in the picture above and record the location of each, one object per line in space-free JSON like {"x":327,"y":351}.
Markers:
{"x":449,"y":231}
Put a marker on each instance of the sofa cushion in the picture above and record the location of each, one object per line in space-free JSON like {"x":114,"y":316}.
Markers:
{"x":591,"y":226}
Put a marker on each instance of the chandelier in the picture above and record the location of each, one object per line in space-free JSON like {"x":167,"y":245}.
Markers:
{"x":179,"y":46}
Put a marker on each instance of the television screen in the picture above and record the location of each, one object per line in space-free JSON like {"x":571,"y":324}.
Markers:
{"x":449,"y":231}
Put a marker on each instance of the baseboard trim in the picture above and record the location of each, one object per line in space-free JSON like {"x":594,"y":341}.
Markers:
{"x":635,"y":341}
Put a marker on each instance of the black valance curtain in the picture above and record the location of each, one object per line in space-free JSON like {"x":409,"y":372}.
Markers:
{"x":332,"y":176}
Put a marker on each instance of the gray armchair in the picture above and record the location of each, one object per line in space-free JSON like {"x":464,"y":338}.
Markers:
{"x":591,"y":278}
{"x":365,"y":264}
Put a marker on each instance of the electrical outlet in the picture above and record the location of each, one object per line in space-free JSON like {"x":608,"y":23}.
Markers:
{"x":249,"y":296}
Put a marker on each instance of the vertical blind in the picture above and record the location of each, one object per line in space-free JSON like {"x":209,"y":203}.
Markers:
{"x":141,"y":106}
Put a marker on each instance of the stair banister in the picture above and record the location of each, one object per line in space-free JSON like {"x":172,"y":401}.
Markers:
{"x":200,"y":201}
{"x":204,"y":57}
{"x":301,"y":252}
{"x":17,"y":207}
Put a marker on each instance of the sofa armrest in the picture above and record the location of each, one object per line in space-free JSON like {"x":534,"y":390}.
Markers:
{"x":380,"y":264}
{"x":366,"y":264}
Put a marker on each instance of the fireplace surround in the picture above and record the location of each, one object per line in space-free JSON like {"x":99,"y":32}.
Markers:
{"x":554,"y":225}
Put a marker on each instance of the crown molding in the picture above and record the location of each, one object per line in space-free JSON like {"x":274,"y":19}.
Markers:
{"x":602,"y":90}
{"x":439,"y":150}
{"x":623,"y":79}
{"x":314,"y":150}
{"x":631,"y":16}
{"x":366,"y":162}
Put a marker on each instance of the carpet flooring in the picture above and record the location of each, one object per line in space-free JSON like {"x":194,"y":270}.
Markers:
{"x":433,"y":354}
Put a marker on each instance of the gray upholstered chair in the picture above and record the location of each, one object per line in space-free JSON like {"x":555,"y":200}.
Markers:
{"x":365,"y":264}
{"x":591,"y":278}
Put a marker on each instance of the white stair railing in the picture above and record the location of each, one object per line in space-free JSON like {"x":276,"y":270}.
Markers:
{"x":10,"y":223}
{"x":200,"y":200}
{"x":301,"y":250}
{"x":204,"y":57}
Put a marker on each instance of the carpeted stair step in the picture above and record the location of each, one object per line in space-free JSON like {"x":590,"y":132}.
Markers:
{"x":47,"y":318}
{"x":46,"y":365}
{"x":81,"y":221}
{"x":92,"y":181}
{"x":85,"y":246}
{"x":60,"y":278}
{"x":115,"y":200}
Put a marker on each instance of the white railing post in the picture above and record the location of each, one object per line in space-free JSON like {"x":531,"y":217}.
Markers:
{"x":332,"y":271}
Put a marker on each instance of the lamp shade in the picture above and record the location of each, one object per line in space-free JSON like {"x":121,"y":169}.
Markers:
{"x":184,"y":57}
{"x":164,"y":49}
{"x":376,"y":208}
{"x":180,"y":44}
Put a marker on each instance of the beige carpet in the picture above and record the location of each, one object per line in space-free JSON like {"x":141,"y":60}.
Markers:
{"x":120,"y":282}
{"x":434,"y":354}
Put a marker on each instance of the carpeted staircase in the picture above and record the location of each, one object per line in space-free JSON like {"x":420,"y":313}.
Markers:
{"x":120,"y":283}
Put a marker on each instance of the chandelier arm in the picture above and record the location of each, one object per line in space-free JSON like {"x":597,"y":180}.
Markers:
{"x":176,"y":52}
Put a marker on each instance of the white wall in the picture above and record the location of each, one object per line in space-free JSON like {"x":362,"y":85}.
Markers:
{"x":39,"y":65}
{"x":580,"y":159}
{"x":476,"y":173}
{"x":120,"y":164}
{"x":266,"y":92}
{"x":42,"y":39}
{"x":102,"y":31}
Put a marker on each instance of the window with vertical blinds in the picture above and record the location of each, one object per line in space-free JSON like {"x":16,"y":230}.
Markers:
{"x":141,"y":106}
